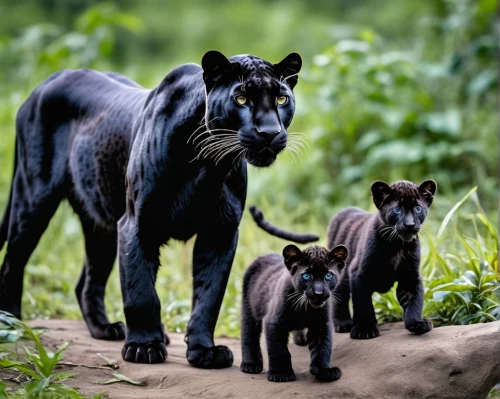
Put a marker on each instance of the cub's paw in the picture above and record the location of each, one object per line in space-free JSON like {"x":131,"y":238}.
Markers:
{"x":167,"y":339}
{"x":419,"y":327}
{"x":327,"y":374}
{"x":281,"y":376}
{"x":299,"y":338}
{"x":150,"y":352}
{"x":215,"y":357}
{"x":109,"y":332}
{"x":364,"y":331}
{"x":342,"y":326}
{"x":251,"y":368}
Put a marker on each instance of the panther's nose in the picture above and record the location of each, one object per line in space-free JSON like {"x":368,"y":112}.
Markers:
{"x":409,"y":225}
{"x":268,"y":134}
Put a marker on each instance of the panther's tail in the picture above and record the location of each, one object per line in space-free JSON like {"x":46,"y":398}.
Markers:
{"x":4,"y":224}
{"x":258,"y":216}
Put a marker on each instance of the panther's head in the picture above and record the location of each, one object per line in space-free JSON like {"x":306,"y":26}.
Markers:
{"x":249,"y":106}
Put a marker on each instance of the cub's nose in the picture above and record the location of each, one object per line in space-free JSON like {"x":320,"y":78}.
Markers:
{"x":409,"y":225}
{"x":267,"y":135}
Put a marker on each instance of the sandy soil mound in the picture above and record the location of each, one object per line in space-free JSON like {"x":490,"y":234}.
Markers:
{"x":454,"y":362}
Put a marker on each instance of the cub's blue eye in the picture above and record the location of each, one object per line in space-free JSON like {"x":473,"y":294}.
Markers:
{"x":418,"y":209}
{"x":397,"y":210}
{"x":329,"y":276}
{"x":306,"y":276}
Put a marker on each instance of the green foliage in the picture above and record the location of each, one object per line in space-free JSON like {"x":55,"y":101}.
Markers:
{"x":39,"y":365}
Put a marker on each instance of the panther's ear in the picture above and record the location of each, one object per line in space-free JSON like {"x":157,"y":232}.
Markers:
{"x":214,"y":63}
{"x":337,"y":256}
{"x":291,"y":254}
{"x":289,"y":68}
{"x":380,"y":191}
{"x":427,"y":190}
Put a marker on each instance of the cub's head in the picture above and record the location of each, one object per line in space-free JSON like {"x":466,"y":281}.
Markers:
{"x":315,"y":272}
{"x":403,"y":207}
{"x":249,"y":106}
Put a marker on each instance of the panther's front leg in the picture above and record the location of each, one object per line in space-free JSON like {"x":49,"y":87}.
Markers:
{"x":319,"y":341}
{"x":212,"y":260}
{"x":410,"y":293}
{"x":145,"y":340}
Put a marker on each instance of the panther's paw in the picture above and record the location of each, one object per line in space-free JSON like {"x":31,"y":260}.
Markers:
{"x":109,"y":332}
{"x":419,"y":327}
{"x":343,"y":326}
{"x":150,"y":352}
{"x":251,"y":368}
{"x":281,"y":376}
{"x":364,"y":331}
{"x":327,"y":374}
{"x":214,"y":357}
{"x":299,"y":338}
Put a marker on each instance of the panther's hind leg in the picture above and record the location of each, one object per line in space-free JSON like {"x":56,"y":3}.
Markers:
{"x":100,"y":248}
{"x":30,"y":214}
{"x":341,"y":317}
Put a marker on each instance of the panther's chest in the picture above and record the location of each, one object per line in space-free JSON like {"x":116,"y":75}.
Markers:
{"x":201,"y":206}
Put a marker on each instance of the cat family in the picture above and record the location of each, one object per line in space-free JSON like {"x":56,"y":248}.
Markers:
{"x":384,"y":249}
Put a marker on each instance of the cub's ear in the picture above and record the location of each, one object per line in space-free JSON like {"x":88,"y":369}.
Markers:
{"x":380,"y":191}
{"x":214,"y":63}
{"x":289,"y":68}
{"x":338,"y":255}
{"x":427,"y":190}
{"x":291,"y":254}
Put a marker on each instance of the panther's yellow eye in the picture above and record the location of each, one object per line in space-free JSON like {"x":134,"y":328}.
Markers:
{"x":281,"y":100}
{"x":241,"y":100}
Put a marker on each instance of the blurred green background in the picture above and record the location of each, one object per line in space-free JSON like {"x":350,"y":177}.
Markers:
{"x":389,"y":90}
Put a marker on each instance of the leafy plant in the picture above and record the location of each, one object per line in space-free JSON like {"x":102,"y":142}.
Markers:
{"x":39,"y":365}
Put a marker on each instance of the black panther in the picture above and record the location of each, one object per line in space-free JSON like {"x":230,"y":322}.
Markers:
{"x":141,"y":167}
{"x":285,"y":294}
{"x":385,"y":249}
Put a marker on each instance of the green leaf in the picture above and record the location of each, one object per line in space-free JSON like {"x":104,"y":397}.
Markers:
{"x":453,"y":210}
{"x":122,"y":378}
{"x":64,"y":376}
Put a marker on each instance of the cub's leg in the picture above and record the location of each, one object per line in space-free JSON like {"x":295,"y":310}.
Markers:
{"x":212,"y":260}
{"x":100,"y":247}
{"x":145,"y":341}
{"x":319,"y":341}
{"x":411,"y":297}
{"x":341,"y":317}
{"x":251,"y":329}
{"x":280,"y":360}
{"x":364,"y":321}
{"x":29,"y":213}
{"x":299,"y":337}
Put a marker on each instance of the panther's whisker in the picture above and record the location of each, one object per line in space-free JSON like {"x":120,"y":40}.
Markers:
{"x":228,"y":151}
{"x":203,"y":125}
{"x":214,"y":143}
{"x":209,"y":148}
{"x":214,"y":130}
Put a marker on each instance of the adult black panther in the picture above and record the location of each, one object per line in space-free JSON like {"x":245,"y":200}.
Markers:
{"x":141,"y":167}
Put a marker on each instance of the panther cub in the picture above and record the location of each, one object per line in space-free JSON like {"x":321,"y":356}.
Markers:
{"x":385,"y":249}
{"x":290,"y":293}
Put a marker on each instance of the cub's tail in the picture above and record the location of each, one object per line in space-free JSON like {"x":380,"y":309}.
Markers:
{"x":258,"y":216}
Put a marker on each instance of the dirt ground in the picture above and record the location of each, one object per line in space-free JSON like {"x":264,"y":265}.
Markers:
{"x":458,"y":362}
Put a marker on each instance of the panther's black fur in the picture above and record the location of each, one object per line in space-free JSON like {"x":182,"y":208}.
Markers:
{"x":141,"y":167}
{"x":384,"y":249}
{"x":283,"y":300}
